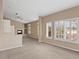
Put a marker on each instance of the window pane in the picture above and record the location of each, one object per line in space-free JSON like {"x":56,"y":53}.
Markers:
{"x":67,"y":29}
{"x":73,"y":30}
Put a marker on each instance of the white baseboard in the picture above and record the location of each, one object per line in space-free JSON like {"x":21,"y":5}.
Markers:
{"x":10,"y":48}
{"x":73,"y":49}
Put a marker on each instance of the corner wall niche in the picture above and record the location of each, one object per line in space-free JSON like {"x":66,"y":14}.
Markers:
{"x":49,"y":30}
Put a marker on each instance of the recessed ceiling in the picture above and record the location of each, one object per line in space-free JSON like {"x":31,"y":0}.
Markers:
{"x":30,"y":10}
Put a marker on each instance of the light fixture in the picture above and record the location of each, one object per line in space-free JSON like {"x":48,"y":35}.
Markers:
{"x":73,"y":32}
{"x":18,"y":17}
{"x":68,"y":32}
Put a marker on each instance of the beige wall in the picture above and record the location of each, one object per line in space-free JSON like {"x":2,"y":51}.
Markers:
{"x":69,"y":13}
{"x":34,"y":29}
{"x":7,"y":40}
{"x":1,"y":9}
{"x":1,"y":15}
{"x":10,"y":40}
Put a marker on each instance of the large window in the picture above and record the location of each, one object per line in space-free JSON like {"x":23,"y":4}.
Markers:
{"x":65,"y":30}
{"x":59,"y":30}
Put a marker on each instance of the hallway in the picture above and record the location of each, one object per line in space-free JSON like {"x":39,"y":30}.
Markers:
{"x":34,"y":50}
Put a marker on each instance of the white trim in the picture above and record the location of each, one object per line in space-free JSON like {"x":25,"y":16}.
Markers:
{"x":10,"y":48}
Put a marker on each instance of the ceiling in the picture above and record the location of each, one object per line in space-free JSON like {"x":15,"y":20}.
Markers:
{"x":30,"y":10}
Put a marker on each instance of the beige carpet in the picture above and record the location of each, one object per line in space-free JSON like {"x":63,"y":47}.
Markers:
{"x":32,"y":49}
